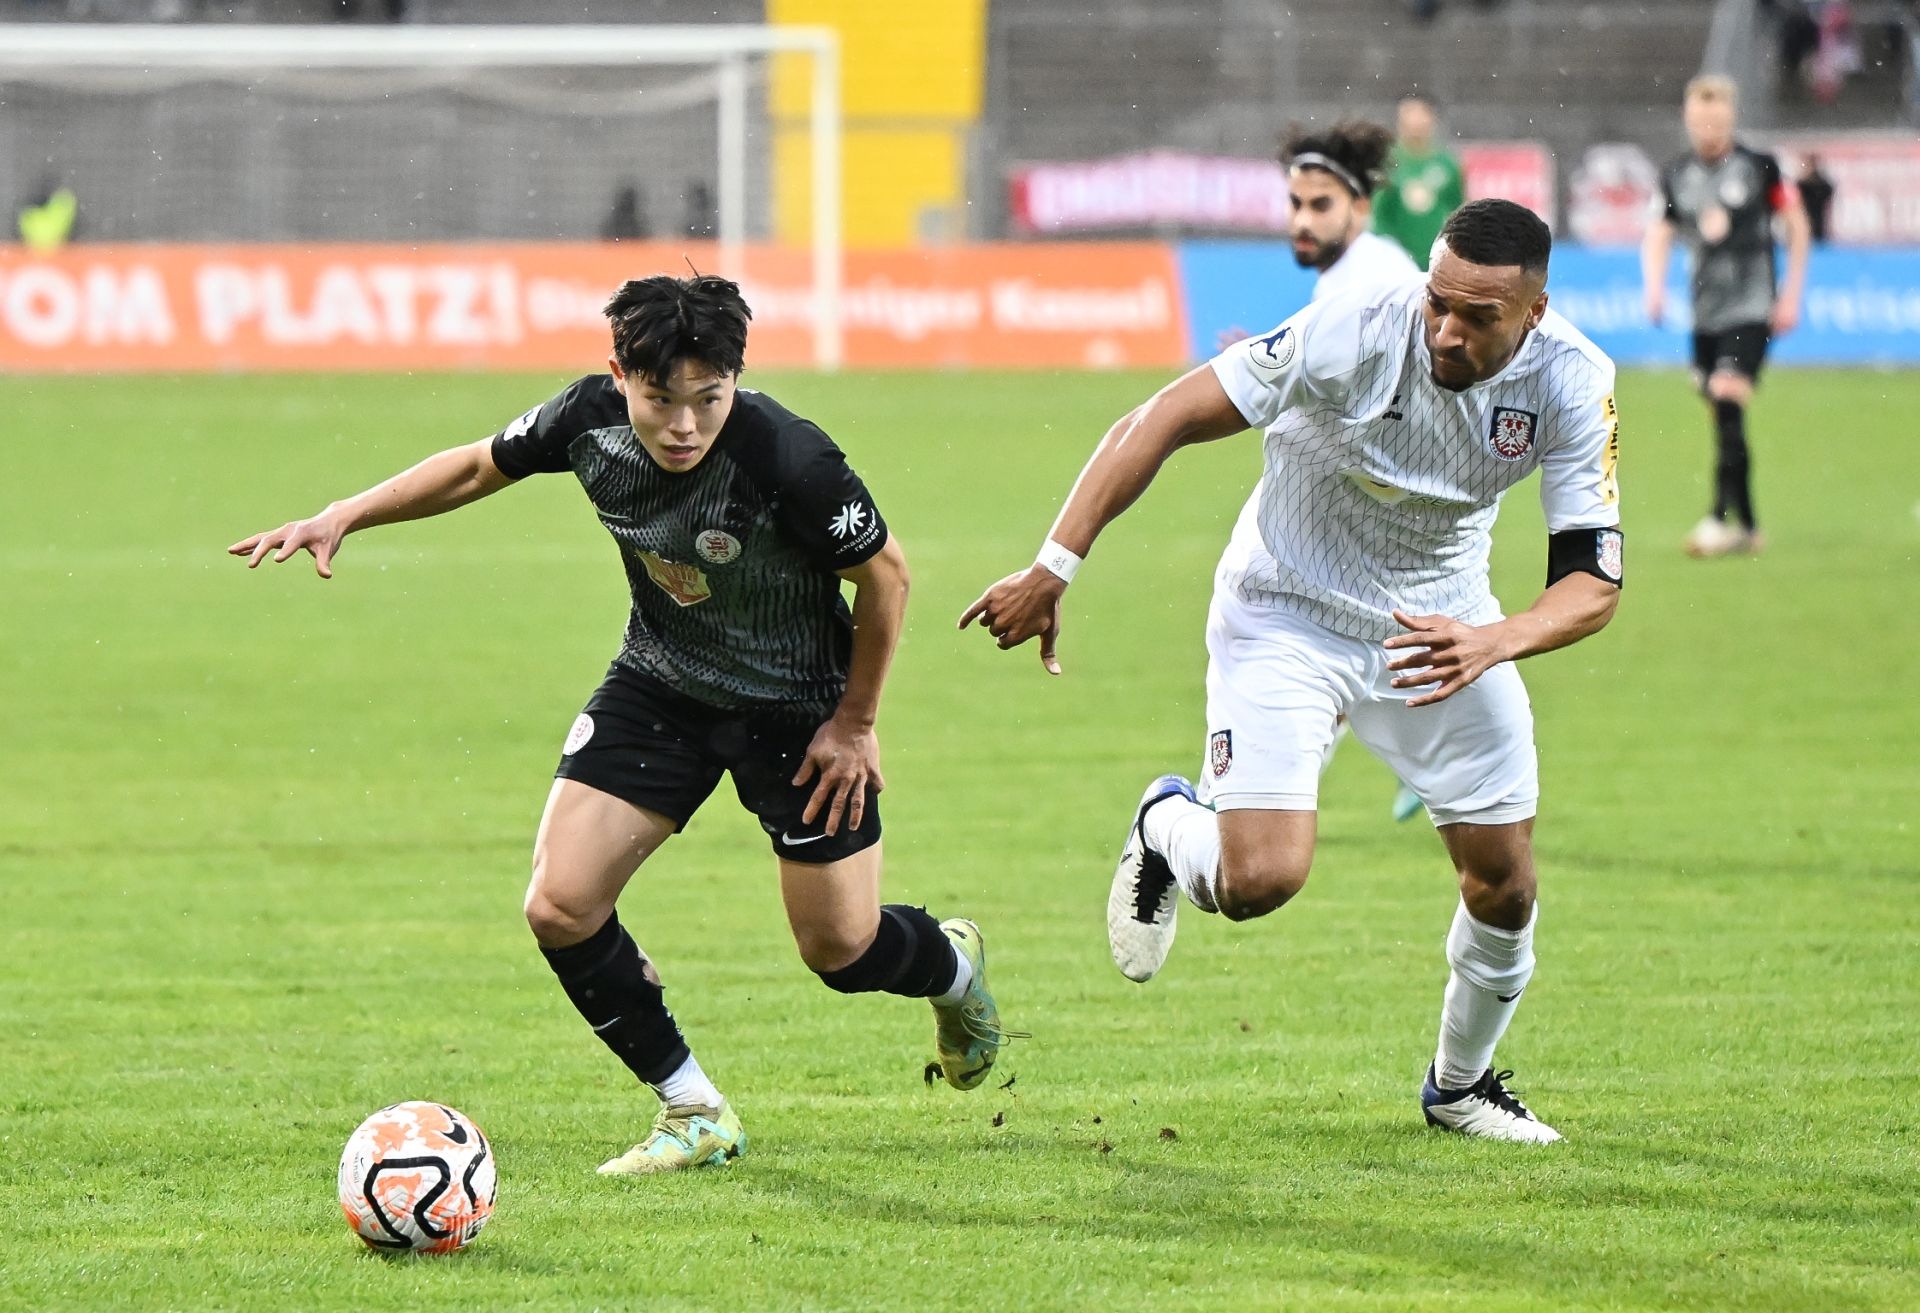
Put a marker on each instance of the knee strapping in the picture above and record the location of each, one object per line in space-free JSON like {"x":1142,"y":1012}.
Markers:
{"x":909,"y":956}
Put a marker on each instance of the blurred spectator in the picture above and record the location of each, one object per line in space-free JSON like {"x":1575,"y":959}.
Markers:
{"x":1424,"y":184}
{"x":703,"y":216}
{"x":1816,"y":194}
{"x":48,"y":221}
{"x":627,"y":220}
{"x":1838,"y":55}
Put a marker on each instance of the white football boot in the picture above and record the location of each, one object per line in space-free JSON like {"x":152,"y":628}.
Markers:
{"x":1713,"y":537}
{"x":1487,"y":1109}
{"x":1144,"y":898}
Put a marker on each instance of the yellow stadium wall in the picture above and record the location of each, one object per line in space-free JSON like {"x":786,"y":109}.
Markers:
{"x":912,"y":79}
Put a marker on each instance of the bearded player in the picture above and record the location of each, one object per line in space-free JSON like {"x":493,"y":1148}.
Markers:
{"x":1395,"y":419}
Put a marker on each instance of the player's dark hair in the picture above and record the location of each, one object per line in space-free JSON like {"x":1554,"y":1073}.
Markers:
{"x":1355,"y":146}
{"x":662,"y":320}
{"x":1495,"y":233}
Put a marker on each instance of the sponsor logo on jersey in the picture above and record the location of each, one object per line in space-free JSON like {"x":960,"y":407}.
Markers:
{"x":1384,"y":493}
{"x":1276,"y":350}
{"x":717,"y":547}
{"x":1612,"y":553}
{"x":1220,"y":752}
{"x":519,"y":427}
{"x":685,"y":584}
{"x":849,"y":522}
{"x":1511,"y":433}
{"x":577,"y":736}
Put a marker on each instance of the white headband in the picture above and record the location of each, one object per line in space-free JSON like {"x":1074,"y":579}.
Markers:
{"x":1313,"y":159}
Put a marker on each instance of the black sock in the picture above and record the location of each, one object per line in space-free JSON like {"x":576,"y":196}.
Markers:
{"x":909,"y":956}
{"x":619,"y":994}
{"x":1732,"y":493}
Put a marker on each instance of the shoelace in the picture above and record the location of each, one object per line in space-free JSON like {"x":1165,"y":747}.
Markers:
{"x":1495,"y":1091}
{"x":1156,"y":877}
{"x":980,"y":1028}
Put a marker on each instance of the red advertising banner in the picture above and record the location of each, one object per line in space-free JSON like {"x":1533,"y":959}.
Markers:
{"x":129,"y":308}
{"x":1153,"y":190}
{"x":1876,"y":183}
{"x":1610,"y":199}
{"x":1165,"y":189}
{"x":1518,"y":171}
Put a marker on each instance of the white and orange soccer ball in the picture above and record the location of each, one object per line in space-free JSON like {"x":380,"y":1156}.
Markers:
{"x":417,"y":1177}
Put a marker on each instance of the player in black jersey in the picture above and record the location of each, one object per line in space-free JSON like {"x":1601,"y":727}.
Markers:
{"x":1720,"y":200}
{"x":737,"y":521}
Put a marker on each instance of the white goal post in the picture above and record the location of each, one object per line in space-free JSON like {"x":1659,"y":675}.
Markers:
{"x":41,"y":49}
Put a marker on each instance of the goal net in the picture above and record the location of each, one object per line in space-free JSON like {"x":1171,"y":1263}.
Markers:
{"x":426,"y":134}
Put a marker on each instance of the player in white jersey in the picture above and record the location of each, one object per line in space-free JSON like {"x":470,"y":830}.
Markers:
{"x":1331,"y":177}
{"x":1395,"y":419}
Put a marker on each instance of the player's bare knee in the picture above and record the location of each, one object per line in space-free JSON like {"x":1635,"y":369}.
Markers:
{"x":1730,"y":387}
{"x":558,"y":922}
{"x":1246,"y":892}
{"x":1499,"y":889}
{"x":827,"y":949}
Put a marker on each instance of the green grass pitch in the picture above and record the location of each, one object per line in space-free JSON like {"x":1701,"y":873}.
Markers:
{"x":263,"y":841}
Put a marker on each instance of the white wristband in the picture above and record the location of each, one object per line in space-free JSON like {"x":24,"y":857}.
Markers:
{"x":1057,"y":561}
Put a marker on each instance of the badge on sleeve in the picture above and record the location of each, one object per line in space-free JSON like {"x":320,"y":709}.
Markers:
{"x":1276,"y":350}
{"x":1611,"y":553}
{"x":1511,"y":433}
{"x":1220,"y":752}
{"x":520,"y":427}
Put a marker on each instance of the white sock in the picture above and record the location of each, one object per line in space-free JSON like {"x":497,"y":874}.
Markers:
{"x":1490,"y":968}
{"x":1188,"y":836}
{"x":688,"y":1085}
{"x":963,"y":977}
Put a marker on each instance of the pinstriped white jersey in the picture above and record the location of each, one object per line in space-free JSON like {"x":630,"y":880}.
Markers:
{"x":1381,"y":487}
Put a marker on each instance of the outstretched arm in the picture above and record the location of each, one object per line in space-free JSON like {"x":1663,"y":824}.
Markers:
{"x":1193,"y":408}
{"x":442,"y":482}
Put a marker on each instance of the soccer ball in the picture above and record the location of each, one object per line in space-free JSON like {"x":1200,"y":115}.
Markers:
{"x":417,"y":1176}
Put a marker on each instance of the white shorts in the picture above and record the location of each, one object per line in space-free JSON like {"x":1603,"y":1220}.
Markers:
{"x":1278,"y":685}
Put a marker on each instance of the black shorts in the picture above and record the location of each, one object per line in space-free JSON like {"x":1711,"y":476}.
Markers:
{"x":1741,"y":349}
{"x":643,"y":743}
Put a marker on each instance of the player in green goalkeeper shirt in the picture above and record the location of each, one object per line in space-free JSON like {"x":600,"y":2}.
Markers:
{"x":1424,"y":184}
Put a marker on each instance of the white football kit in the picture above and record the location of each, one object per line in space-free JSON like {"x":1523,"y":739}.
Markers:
{"x":1379,"y":493}
{"x":1370,"y":260}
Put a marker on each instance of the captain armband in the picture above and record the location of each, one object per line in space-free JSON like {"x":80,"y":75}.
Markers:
{"x":1597,"y":552}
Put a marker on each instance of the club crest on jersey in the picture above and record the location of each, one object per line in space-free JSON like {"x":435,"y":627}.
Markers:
{"x":685,"y":584}
{"x":1276,"y":349}
{"x":1220,"y":752}
{"x":717,"y":547}
{"x":1612,"y":553}
{"x":1511,"y":433}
